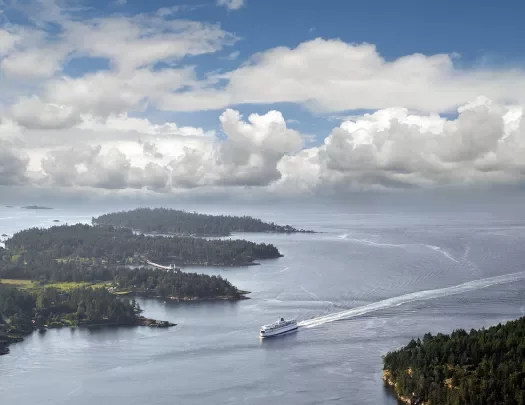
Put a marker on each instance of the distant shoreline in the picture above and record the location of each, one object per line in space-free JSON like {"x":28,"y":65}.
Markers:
{"x":197,"y":235}
{"x":36,"y":207}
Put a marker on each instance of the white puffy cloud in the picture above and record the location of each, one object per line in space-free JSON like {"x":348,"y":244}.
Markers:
{"x":90,"y":167}
{"x":142,"y":126}
{"x":34,"y":114}
{"x":27,"y":54}
{"x":388,"y":149}
{"x":248,"y":157}
{"x":13,"y":165}
{"x":331,"y":75}
{"x":392,"y":148}
{"x":81,"y":130}
{"x":106,"y":93}
{"x":231,"y":4}
{"x":33,"y":63}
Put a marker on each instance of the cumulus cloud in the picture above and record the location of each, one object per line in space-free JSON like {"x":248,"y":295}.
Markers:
{"x":392,"y":148}
{"x":331,"y":75}
{"x":91,"y":167}
{"x":231,"y":4}
{"x":150,"y":149}
{"x":106,"y":93}
{"x":82,"y":131}
{"x":13,"y":165}
{"x":27,"y":52}
{"x":34,"y":114}
{"x":389,"y":149}
{"x":143,"y":126}
{"x":33,"y":63}
{"x":248,"y":157}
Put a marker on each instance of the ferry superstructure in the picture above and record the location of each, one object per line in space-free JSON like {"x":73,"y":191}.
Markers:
{"x":278,"y":328}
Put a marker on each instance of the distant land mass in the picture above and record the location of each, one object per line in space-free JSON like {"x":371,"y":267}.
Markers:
{"x":170,"y":221}
{"x":481,"y":367}
{"x":36,"y":207}
{"x":114,"y":245}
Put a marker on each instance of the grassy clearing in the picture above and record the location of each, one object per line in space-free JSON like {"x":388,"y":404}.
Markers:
{"x":65,"y":286}
{"x":17,"y":283}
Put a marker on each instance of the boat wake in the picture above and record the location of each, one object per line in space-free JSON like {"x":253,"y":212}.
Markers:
{"x":412,"y":297}
{"x":368,"y":242}
{"x":438,"y":249}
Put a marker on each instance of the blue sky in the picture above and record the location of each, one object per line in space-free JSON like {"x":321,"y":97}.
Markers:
{"x":483,"y":33}
{"x":158,"y":94}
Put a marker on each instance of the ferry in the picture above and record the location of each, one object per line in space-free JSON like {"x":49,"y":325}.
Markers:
{"x":278,"y":328}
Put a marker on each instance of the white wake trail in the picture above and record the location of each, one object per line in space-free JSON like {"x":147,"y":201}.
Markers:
{"x":416,"y":296}
{"x":438,"y":249}
{"x":379,"y":244}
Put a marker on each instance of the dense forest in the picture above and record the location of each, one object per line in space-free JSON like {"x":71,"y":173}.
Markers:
{"x":53,"y":307}
{"x":169,"y":221}
{"x":174,"y":284}
{"x":142,"y":281}
{"x":120,"y":245}
{"x":483,"y":367}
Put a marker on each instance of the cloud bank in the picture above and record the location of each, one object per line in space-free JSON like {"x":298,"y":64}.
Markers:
{"x":61,"y":128}
{"x":331,"y":75}
{"x":388,"y":149}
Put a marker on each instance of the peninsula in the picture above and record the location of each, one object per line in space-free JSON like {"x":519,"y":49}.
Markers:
{"x":23,"y":311}
{"x":477,"y":367}
{"x":112,"y":245}
{"x":170,"y":221}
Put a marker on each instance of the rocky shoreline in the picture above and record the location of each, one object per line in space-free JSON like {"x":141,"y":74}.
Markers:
{"x":241,"y":296}
{"x":140,"y":321}
{"x":389,"y":382}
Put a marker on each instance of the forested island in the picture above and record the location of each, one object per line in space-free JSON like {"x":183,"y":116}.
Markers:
{"x":75,"y":275}
{"x":36,"y":207}
{"x":22,"y":312}
{"x":37,"y":291}
{"x":55,"y":307}
{"x":113,"y":245}
{"x":170,"y":221}
{"x":482,"y":367}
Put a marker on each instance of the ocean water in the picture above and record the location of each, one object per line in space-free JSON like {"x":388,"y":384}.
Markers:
{"x":367,"y":284}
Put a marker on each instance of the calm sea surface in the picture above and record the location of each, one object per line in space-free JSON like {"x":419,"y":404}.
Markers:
{"x":387,"y":277}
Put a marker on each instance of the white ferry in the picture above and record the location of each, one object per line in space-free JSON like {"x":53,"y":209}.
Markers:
{"x":278,"y":328}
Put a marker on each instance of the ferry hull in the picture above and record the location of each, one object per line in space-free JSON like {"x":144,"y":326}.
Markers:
{"x":279,"y":332}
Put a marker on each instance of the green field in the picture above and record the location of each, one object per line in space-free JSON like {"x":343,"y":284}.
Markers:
{"x":17,"y":283}
{"x":65,"y":286}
